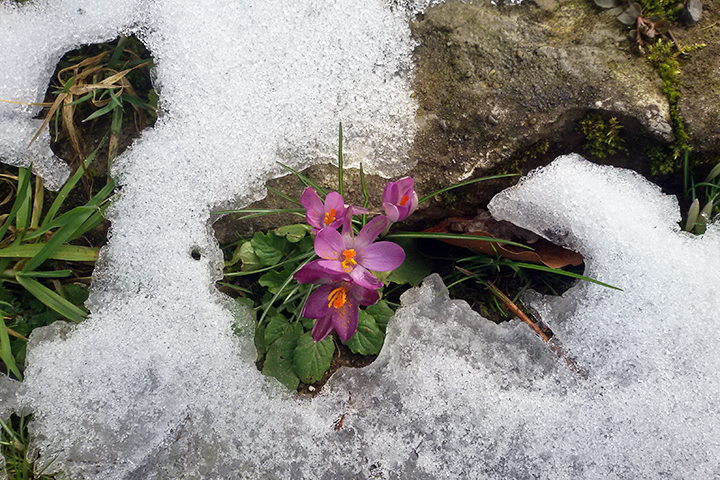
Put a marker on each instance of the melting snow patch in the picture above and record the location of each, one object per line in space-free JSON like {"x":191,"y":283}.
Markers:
{"x":155,"y":384}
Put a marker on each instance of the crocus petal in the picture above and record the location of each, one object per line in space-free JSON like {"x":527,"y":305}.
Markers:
{"x":359,"y":210}
{"x":381,"y":256}
{"x":391,"y":194}
{"x":315,"y":272}
{"x":334,"y":204}
{"x":329,"y":244}
{"x":364,"y":296}
{"x":333,"y":267}
{"x":370,"y":232}
{"x":414,"y":202}
{"x":316,"y":305}
{"x":334,"y":200}
{"x":314,"y":206}
{"x":345,"y":319}
{"x":365,"y":279}
{"x":347,"y":231}
{"x":404,"y":185}
{"x":392,"y":212}
{"x":322,"y":328}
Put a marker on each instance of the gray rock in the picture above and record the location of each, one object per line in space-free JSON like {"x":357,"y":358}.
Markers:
{"x":494,"y":81}
{"x":692,"y":12}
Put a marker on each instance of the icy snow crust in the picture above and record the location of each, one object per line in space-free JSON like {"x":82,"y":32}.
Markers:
{"x":155,"y":384}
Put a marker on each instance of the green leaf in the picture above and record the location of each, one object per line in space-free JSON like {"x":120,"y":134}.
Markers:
{"x":70,"y":253}
{"x":22,"y":192}
{"x":307,"y":323}
{"x":293,"y":233}
{"x":276,"y":328}
{"x":274,"y":280}
{"x":414,"y":268}
{"x":382,"y":313}
{"x":279,"y":357}
{"x":76,"y":294}
{"x":312,"y":359}
{"x":250,"y":261}
{"x":60,"y":237}
{"x":368,"y":340}
{"x":49,"y":274}
{"x":52,"y":299}
{"x":5,"y":350}
{"x":269,"y":248}
{"x":259,"y":341}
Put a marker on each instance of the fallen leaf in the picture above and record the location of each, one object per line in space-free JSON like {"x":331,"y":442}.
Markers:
{"x":543,"y":252}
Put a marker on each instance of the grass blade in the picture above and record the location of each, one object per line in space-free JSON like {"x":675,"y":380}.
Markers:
{"x":305,"y":180}
{"x":61,"y":236}
{"x":452,"y":236}
{"x":52,"y":300}
{"x":22,"y":190}
{"x":282,"y":195}
{"x":22,"y":219}
{"x":340,"y":164}
{"x":5,"y":351}
{"x":50,"y":274}
{"x":68,"y":253}
{"x":558,"y":271}
{"x":70,"y":184}
{"x":468,"y":182}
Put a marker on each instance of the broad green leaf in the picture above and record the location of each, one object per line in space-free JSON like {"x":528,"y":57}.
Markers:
{"x":76,"y":294}
{"x":368,"y":340}
{"x":52,"y":299}
{"x":279,"y":357}
{"x":293,"y":233}
{"x":308,"y":323}
{"x":274,"y":280}
{"x":5,"y":351}
{"x":70,"y":253}
{"x":382,"y":313}
{"x":415,"y":267}
{"x":250,"y":261}
{"x":312,"y":359}
{"x":276,"y":328}
{"x":269,"y":248}
{"x":259,"y":341}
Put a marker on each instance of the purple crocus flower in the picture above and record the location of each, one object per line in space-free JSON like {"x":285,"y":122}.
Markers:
{"x":356,"y":256}
{"x":321,"y":215}
{"x":400,"y":199}
{"x":336,"y":306}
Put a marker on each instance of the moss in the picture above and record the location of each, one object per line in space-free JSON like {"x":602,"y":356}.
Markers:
{"x":669,"y":9}
{"x":663,"y":56}
{"x":602,"y":138}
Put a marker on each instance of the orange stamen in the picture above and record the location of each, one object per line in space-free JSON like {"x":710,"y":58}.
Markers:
{"x":329,"y":217}
{"x":349,"y":261}
{"x":404,"y":199}
{"x":337,"y":297}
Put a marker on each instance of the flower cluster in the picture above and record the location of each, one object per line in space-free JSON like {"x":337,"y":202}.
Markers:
{"x":344,"y":269}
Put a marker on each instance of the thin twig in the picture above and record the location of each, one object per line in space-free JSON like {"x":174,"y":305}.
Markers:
{"x":552,"y":343}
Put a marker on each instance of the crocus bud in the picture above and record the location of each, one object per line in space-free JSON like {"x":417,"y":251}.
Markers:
{"x":400,"y":199}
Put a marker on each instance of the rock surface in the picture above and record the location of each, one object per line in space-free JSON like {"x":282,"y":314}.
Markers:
{"x":492,"y":81}
{"x":498,"y":87}
{"x":699,"y":105}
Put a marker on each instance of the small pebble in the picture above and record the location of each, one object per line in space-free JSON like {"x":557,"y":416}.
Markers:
{"x":692,"y":12}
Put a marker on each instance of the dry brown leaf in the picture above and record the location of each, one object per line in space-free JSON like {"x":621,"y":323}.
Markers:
{"x":544,"y":252}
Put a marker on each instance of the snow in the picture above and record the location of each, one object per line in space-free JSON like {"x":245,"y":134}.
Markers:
{"x":155,"y":384}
